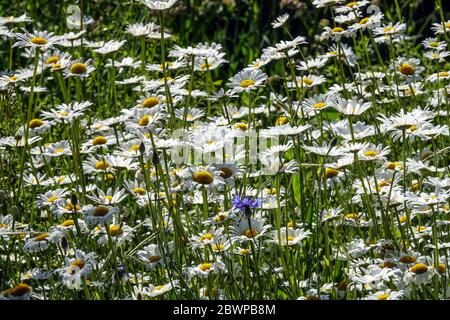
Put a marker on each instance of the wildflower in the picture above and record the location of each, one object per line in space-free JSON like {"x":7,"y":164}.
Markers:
{"x":247,"y":80}
{"x":158,"y":4}
{"x":38,"y":39}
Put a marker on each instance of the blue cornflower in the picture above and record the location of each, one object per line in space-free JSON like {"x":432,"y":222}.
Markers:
{"x":245,"y":204}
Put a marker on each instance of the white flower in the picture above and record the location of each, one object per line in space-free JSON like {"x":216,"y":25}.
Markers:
{"x":158,"y":4}
{"x":247,"y":80}
{"x":280,"y":21}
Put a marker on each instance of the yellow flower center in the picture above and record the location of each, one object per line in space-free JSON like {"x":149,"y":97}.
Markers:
{"x":219,"y":218}
{"x":52,"y":60}
{"x":241,"y":126}
{"x":99,"y":140}
{"x":407,"y":69}
{"x":388,"y":264}
{"x":383,"y":296}
{"x":205,"y":266}
{"x":68,"y":223}
{"x":447,"y":25}
{"x":217,"y":247}
{"x":19,"y":290}
{"x":71,"y":207}
{"x":205,"y":66}
{"x":290,"y":238}
{"x":225,"y":172}
{"x":144,"y":121}
{"x":364,"y":21}
{"x":244,"y":251}
{"x":394,"y":165}
{"x":108,"y":198}
{"x":337,"y":30}
{"x":371,"y":153}
{"x":207,"y":236}
{"x":419,"y":268}
{"x":154,"y":259}
{"x":203,"y":177}
{"x":388,"y":29}
{"x":78,"y":263}
{"x":408,"y":259}
{"x":39,"y":41}
{"x":352,"y":216}
{"x":63,"y":113}
{"x":250,"y":233}
{"x":157,"y":288}
{"x":167,"y":64}
{"x":100,"y":211}
{"x":383,"y":183}
{"x":42,"y":237}
{"x":52,"y":199}
{"x":13,"y":78}
{"x":35,"y":123}
{"x":281,"y":121}
{"x":352,"y":4}
{"x":134,"y":148}
{"x":139,"y":190}
{"x":433,"y":44}
{"x":247,"y":83}
{"x":441,"y":268}
{"x":331,"y":172}
{"x":308,"y":81}
{"x":443,"y":74}
{"x":115,"y":230}
{"x":59,"y":150}
{"x":421,"y":228}
{"x":319,"y":105}
{"x":78,"y":68}
{"x":150,"y":102}
{"x":101,"y":165}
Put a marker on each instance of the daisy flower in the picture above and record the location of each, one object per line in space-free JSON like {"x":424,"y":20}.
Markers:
{"x":40,"y":242}
{"x":77,"y":269}
{"x":100,"y":215}
{"x":21,"y":291}
{"x":351,"y":107}
{"x":38,"y":39}
{"x":110,"y":197}
{"x":151,"y":256}
{"x":158,"y":5}
{"x":373,"y":152}
{"x":289,"y":236}
{"x":79,"y":68}
{"x":280,"y":21}
{"x":110,"y":46}
{"x":247,"y":80}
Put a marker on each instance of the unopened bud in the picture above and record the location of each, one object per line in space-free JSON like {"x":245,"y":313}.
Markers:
{"x":142,"y":148}
{"x":64,"y":243}
{"x":74,"y":200}
{"x":155,"y":158}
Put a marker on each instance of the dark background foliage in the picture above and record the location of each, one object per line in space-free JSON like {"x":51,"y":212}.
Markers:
{"x":241,"y":26}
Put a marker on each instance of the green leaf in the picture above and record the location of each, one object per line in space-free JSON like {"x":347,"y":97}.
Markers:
{"x":296,"y":188}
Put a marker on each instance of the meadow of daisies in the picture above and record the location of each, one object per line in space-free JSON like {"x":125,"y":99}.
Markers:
{"x":142,"y":158}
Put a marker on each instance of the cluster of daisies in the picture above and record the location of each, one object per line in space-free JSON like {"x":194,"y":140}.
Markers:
{"x":117,"y":180}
